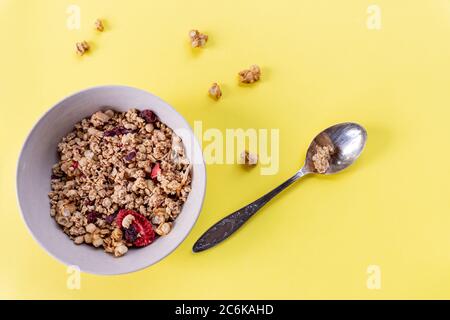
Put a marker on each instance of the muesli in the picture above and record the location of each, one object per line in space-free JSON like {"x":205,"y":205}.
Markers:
{"x":121,"y":180}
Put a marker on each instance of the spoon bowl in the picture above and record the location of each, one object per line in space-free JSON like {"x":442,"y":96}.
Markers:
{"x":346,"y":139}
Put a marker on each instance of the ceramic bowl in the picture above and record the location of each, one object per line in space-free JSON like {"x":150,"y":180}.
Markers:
{"x":39,"y":153}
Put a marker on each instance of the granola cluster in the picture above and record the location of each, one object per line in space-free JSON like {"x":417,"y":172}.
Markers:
{"x":248,"y":158}
{"x":82,"y":47}
{"x":321,"y":158}
{"x":198,"y":39}
{"x":98,"y":23}
{"x":215,"y":92}
{"x":121,"y":180}
{"x":250,"y":75}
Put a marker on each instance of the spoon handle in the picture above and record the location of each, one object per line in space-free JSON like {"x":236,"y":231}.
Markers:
{"x":228,"y":225}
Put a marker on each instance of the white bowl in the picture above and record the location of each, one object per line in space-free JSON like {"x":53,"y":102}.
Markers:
{"x":39,"y":153}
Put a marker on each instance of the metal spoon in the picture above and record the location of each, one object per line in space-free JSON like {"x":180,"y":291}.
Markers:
{"x":347,"y":141}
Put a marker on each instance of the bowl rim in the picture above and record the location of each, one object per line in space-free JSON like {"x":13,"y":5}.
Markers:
{"x":58,"y":105}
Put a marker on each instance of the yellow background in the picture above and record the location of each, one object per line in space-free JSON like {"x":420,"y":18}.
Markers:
{"x":321,"y":65}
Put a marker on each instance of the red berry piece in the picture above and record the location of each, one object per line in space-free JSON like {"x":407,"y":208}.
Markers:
{"x":92,"y":216}
{"x":155,"y":171}
{"x":143,"y":234}
{"x":129,"y":157}
{"x":148,"y":115}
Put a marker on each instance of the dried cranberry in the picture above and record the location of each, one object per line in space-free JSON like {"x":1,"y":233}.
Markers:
{"x":131,"y":234}
{"x":155,"y":171}
{"x":92,"y":217}
{"x":110,"y":219}
{"x":74,"y":164}
{"x":148,"y":115}
{"x":110,"y":133}
{"x":130,"y":156}
{"x":117,"y":131}
{"x":122,"y":130}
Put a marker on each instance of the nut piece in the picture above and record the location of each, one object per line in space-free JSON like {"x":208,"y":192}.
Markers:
{"x":99,"y":25}
{"x":126,"y":222}
{"x":250,"y":75}
{"x":197,"y":39}
{"x":82,"y":47}
{"x":248,"y":159}
{"x":215,"y":91}
{"x":157,"y":219}
{"x":164,"y":228}
{"x":120,"y":250}
{"x":321,"y":158}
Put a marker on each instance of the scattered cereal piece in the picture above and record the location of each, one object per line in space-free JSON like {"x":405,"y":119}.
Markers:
{"x":215,"y":91}
{"x":321,"y":158}
{"x":197,"y":39}
{"x":82,"y":47}
{"x":99,"y":25}
{"x":249,"y":159}
{"x":250,"y":75}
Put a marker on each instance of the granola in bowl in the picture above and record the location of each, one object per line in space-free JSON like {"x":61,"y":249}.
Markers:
{"x":121,"y":180}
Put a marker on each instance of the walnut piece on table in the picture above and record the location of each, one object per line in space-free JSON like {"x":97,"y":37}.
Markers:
{"x":198,"y":39}
{"x":250,"y":75}
{"x":215,"y":91}
{"x":99,"y":25}
{"x":82,"y":47}
{"x":248,"y":158}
